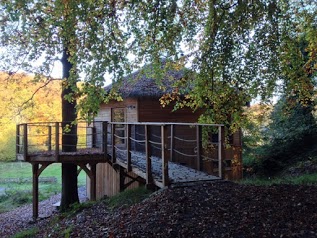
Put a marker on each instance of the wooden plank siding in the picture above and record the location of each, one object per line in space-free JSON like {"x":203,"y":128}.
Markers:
{"x":108,"y":181}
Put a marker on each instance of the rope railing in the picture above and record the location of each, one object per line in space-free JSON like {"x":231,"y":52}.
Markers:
{"x":183,"y":154}
{"x":183,"y":140}
{"x":171,"y":144}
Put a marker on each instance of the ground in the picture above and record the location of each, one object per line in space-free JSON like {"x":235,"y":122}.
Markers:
{"x":219,"y":209}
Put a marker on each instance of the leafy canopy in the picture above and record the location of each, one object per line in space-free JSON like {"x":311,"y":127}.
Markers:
{"x":234,"y":50}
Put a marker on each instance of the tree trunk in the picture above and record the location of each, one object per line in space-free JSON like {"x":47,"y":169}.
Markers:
{"x":69,"y":137}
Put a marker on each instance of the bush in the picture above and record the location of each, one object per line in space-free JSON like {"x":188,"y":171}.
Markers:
{"x":291,"y":136}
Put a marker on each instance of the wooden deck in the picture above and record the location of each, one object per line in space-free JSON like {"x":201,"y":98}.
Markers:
{"x":177,"y":173}
{"x":152,"y":151}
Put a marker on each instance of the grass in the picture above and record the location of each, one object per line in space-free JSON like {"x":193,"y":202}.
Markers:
{"x":128,"y":197}
{"x":17,"y":194}
{"x":27,"y":233}
{"x":305,"y":179}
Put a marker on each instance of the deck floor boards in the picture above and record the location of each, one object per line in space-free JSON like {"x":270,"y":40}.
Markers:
{"x":177,"y":173}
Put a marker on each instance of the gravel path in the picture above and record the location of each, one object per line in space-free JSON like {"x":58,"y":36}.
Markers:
{"x":21,"y":218}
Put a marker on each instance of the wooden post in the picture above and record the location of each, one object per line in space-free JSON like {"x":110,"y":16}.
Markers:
{"x":56,"y":141}
{"x":113,"y":141}
{"x":104,"y":138}
{"x":172,"y":143}
{"x":94,"y":135}
{"x":35,"y":168}
{"x":220,"y":151}
{"x":149,"y":177}
{"x":129,"y":166}
{"x":121,"y":178}
{"x":164,"y":158}
{"x":49,"y":144}
{"x":93,"y":181}
{"x":17,"y":146}
{"x":25,"y":141}
{"x":199,"y":148}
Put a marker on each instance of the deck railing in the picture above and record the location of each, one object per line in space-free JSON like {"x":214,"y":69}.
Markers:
{"x":199,"y":146}
{"x":47,"y":138}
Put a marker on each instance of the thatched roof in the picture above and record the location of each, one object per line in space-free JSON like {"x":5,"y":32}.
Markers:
{"x":142,"y":83}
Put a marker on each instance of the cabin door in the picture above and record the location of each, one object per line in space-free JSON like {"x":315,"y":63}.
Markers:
{"x":119,"y":115}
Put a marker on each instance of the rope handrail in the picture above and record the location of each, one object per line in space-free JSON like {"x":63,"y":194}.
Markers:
{"x":140,"y":134}
{"x":155,"y":143}
{"x":120,"y":150}
{"x":156,"y":136}
{"x":185,"y":140}
{"x":187,"y":155}
{"x":120,"y":137}
{"x":137,"y":141}
{"x":156,"y":147}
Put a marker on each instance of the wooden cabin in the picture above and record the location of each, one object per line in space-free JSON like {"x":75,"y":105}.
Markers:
{"x":140,"y":104}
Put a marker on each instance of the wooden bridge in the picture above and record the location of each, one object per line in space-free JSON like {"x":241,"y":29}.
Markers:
{"x":160,"y":154}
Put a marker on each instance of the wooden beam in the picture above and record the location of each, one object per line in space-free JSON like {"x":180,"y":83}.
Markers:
{"x":25,"y":141}
{"x":172,"y":143}
{"x":165,"y":178}
{"x":104,"y":138}
{"x":129,"y":166}
{"x":56,"y":141}
{"x":93,"y":182}
{"x":49,"y":144}
{"x":113,"y":142}
{"x":149,"y":177}
{"x":221,"y":151}
{"x":199,"y":148}
{"x":17,"y":141}
{"x":35,"y":168}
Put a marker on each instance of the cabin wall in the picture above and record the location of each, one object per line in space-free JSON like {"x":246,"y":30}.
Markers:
{"x":150,"y":110}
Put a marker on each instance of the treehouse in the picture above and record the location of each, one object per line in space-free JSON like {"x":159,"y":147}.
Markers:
{"x":154,"y":145}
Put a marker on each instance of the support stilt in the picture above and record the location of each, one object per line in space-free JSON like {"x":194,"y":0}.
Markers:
{"x":93,"y":182}
{"x":35,"y":168}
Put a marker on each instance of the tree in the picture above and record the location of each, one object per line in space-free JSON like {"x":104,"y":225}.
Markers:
{"x":35,"y":34}
{"x":235,"y":50}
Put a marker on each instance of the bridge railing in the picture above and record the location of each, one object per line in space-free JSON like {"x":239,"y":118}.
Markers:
{"x":154,"y":145}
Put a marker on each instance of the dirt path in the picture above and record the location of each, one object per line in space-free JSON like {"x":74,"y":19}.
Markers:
{"x":21,"y":218}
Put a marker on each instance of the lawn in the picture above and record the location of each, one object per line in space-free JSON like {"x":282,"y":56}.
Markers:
{"x":17,"y":193}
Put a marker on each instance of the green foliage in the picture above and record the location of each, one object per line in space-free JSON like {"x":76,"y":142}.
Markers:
{"x":128,"y":197}
{"x":290,"y":137}
{"x":305,"y":179}
{"x":236,"y":50}
{"x":27,"y":233}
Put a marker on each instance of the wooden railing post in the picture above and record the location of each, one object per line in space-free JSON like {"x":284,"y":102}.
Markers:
{"x":199,"y":148}
{"x":165,"y":178}
{"x":220,"y":151}
{"x":129,"y":167}
{"x":172,"y":143}
{"x":149,"y":177}
{"x":56,"y":141}
{"x":17,"y":146}
{"x":104,"y":137}
{"x":49,"y":143}
{"x":25,"y":141}
{"x":113,"y":141}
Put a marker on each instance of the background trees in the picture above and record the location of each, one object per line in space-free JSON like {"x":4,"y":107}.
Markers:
{"x":238,"y":50}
